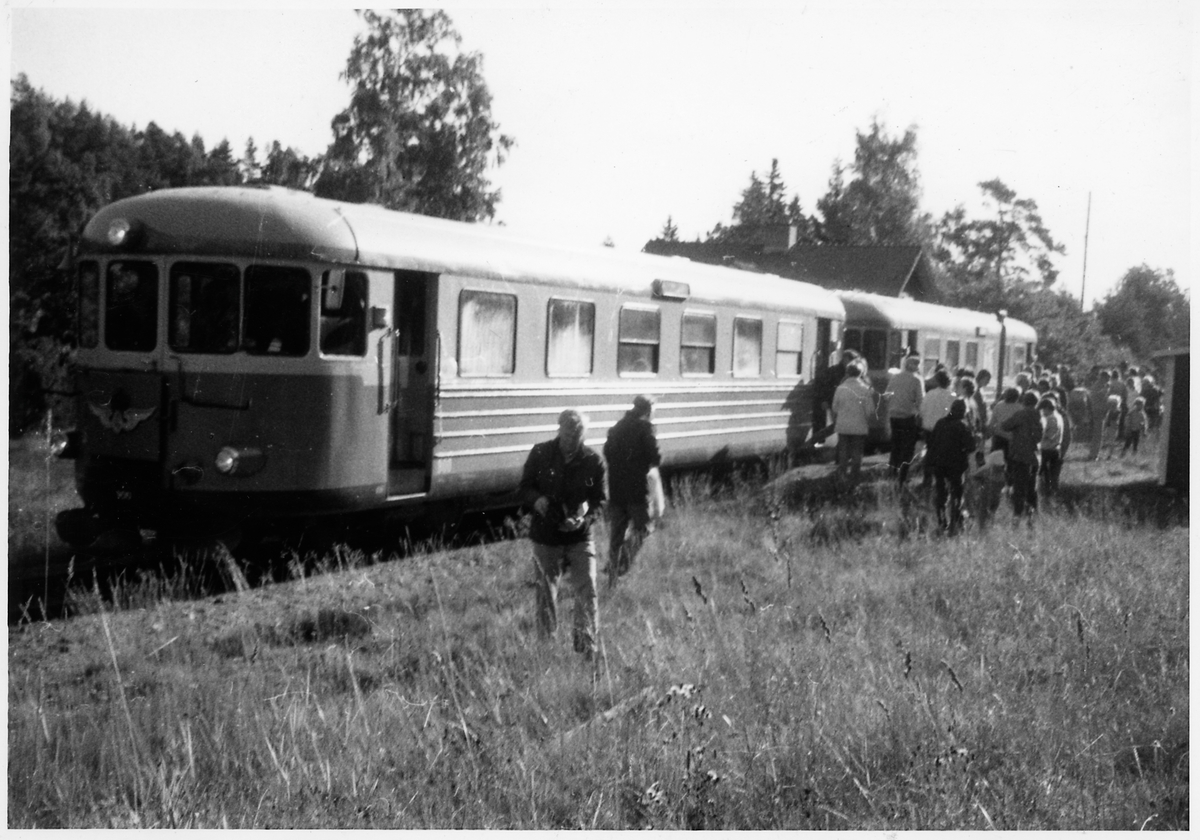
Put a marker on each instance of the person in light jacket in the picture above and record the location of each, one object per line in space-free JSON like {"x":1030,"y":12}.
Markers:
{"x":905,"y":390}
{"x":852,"y":407}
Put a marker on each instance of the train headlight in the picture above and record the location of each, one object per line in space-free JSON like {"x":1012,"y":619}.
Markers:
{"x":240,"y":460}
{"x":119,"y":232}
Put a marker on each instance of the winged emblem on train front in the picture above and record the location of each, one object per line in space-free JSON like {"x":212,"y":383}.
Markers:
{"x":118,"y":415}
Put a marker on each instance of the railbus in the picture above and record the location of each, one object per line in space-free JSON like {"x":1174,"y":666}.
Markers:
{"x":883,"y":329}
{"x":256,"y":356}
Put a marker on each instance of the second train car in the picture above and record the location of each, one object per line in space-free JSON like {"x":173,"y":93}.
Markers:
{"x":884,"y":329}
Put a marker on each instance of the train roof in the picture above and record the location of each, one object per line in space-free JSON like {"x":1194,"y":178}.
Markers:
{"x":280,"y":224}
{"x":869,"y":310}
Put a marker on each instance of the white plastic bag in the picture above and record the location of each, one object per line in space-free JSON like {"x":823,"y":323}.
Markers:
{"x":658,"y":500}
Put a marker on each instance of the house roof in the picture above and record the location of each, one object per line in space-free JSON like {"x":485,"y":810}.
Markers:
{"x":890,"y":270}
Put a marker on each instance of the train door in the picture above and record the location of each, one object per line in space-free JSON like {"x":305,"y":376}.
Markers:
{"x":410,"y":425}
{"x":824,"y":345}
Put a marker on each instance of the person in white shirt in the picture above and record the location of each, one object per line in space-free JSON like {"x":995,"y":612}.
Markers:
{"x":852,"y":407}
{"x":905,"y":391}
{"x":1052,"y":433}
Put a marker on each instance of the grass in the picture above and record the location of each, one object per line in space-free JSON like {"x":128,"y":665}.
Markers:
{"x":766,"y":666}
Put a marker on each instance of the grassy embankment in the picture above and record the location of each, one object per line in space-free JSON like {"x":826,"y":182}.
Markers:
{"x":763,"y":667}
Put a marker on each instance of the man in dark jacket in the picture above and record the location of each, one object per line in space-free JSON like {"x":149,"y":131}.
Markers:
{"x":950,"y":443}
{"x":631,"y":451}
{"x":1025,"y":430}
{"x":563,"y":481}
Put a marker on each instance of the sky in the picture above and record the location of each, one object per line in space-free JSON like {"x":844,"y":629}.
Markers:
{"x":625,"y":114}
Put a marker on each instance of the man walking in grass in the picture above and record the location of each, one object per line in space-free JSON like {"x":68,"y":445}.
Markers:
{"x":631,"y":452}
{"x":563,"y":481}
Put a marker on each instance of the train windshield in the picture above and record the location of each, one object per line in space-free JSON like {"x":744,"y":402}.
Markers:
{"x":205,"y":304}
{"x":131,"y":310}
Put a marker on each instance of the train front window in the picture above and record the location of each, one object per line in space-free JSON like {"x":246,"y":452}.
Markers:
{"x":698,"y":344}
{"x":278,"y":302}
{"x":971,"y":359}
{"x":747,"y":346}
{"x":89,"y":304}
{"x":131,"y":310}
{"x":205,"y":299}
{"x":487,"y":334}
{"x":788,"y":349}
{"x":637,"y":342}
{"x":570,"y":328}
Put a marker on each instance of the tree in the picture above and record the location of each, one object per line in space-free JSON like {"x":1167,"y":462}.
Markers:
{"x":993,"y":262}
{"x":763,"y":203}
{"x":880,"y":205}
{"x":418,"y":134}
{"x":289,"y":168}
{"x":1066,"y":335}
{"x":669,"y":232}
{"x":1147,"y":311}
{"x":249,"y":166}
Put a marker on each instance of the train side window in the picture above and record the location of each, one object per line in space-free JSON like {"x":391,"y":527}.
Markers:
{"x":952,"y":355}
{"x":931,"y":352}
{"x":874,"y":349}
{"x":277,"y":311}
{"x":89,"y":304}
{"x":570,"y":333}
{"x":343,"y":313}
{"x":789,"y":349}
{"x":1017,"y":356}
{"x":205,"y":298}
{"x":637,"y":341}
{"x":131,"y":306}
{"x":852,"y":340}
{"x":747,"y":347}
{"x":971,"y":355}
{"x":698,"y":344}
{"x":487,"y":334}
{"x":895,"y":349}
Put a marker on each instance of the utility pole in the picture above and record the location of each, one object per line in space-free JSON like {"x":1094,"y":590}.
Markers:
{"x":1086,"y":229}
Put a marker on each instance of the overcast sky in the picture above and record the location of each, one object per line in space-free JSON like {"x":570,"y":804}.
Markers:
{"x":625,"y":114}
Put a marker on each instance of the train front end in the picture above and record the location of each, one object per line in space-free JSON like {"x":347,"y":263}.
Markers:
{"x":204,"y":403}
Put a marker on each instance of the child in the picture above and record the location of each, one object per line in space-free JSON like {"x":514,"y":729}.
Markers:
{"x":1135,"y":425}
{"x":1111,"y":425}
{"x":1051,"y":445}
{"x":946,"y":453}
{"x":986,"y":486}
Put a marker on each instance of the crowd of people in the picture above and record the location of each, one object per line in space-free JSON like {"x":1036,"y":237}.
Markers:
{"x":1016,"y":445}
{"x":943,"y":421}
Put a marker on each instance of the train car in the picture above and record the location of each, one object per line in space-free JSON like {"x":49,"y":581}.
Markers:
{"x":253,"y":356}
{"x":883,"y":329}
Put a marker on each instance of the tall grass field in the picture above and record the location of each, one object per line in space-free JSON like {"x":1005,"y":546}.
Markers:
{"x":769,"y":663}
